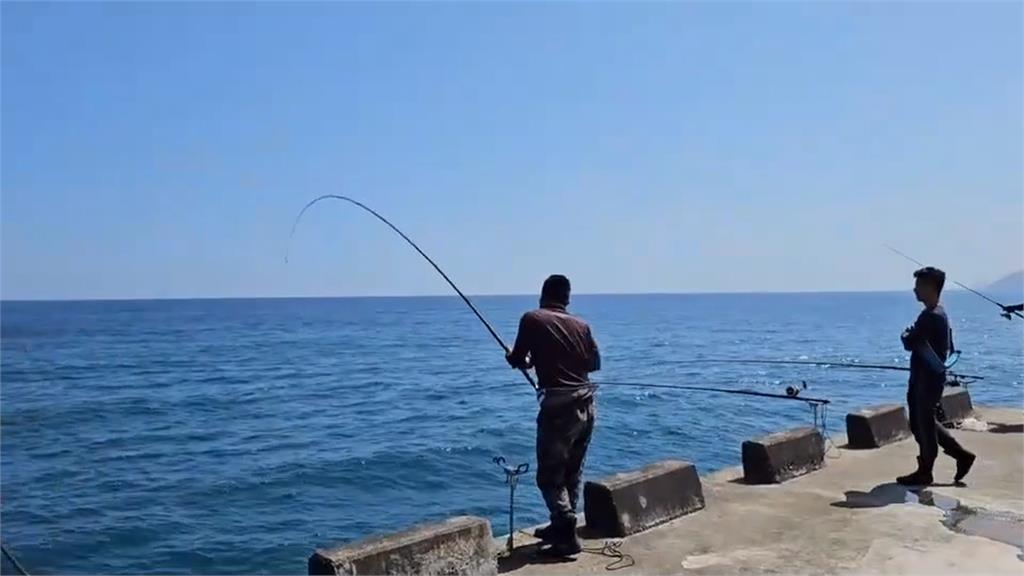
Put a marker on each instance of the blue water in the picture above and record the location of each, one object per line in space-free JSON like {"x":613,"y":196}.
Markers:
{"x":237,"y":436}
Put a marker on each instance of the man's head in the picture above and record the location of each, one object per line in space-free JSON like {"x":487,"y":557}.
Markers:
{"x":555,"y":290}
{"x":928,"y":283}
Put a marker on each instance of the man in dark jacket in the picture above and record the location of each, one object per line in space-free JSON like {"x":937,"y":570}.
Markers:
{"x":563,"y":351}
{"x":929,"y":341}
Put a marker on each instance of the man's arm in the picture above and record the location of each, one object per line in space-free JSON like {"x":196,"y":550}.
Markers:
{"x":595,"y":354}
{"x":915,"y":333}
{"x":918,"y":339}
{"x":517,"y":357}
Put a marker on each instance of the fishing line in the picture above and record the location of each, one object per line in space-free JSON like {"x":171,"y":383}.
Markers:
{"x":793,"y":362}
{"x":610,"y":549}
{"x":1007,"y":310}
{"x":830,"y":444}
{"x":14,"y":561}
{"x":465,"y":299}
{"x":613,"y":549}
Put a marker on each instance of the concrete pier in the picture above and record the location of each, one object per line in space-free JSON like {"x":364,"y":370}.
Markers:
{"x":877,"y":426}
{"x":459,"y":546}
{"x":632,"y":502}
{"x":956,"y":404}
{"x":849,"y":517}
{"x":778,"y":457}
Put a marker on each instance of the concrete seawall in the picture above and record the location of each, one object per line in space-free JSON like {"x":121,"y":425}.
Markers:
{"x":850,"y":517}
{"x":846,"y":516}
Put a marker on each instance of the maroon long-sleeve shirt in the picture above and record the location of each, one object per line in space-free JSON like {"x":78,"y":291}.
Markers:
{"x":561,"y":346}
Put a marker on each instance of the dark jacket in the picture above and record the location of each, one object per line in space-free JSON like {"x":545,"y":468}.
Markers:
{"x":931,"y":329}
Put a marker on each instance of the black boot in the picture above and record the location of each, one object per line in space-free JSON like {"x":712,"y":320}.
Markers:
{"x":562,"y":540}
{"x":547,"y":533}
{"x":963,"y":466}
{"x":920,"y":477}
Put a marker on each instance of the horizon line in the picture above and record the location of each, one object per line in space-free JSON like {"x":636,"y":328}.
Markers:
{"x":452,"y":295}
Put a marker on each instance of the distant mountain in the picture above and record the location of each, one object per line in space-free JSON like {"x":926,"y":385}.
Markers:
{"x":1011,"y":285}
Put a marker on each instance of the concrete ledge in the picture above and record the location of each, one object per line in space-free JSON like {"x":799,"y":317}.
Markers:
{"x":956,"y":404}
{"x":458,"y":546}
{"x":877,"y":426}
{"x":631,"y":502}
{"x":778,"y":457}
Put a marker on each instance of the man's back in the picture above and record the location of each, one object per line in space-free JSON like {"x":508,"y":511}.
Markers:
{"x":561,"y":345}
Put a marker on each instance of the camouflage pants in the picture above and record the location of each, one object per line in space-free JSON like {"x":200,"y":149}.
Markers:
{"x":563,"y":435}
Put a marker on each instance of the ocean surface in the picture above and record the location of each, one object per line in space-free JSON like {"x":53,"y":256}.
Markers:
{"x":235,"y":436}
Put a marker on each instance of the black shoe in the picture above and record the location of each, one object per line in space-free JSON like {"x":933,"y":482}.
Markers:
{"x":963,"y":466}
{"x":547,"y":533}
{"x":562,"y":549}
{"x":564,"y":546}
{"x":918,"y":478}
{"x":553,"y":532}
{"x":561,"y":539}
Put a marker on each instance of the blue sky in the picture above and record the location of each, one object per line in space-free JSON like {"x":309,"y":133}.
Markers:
{"x":162,"y":150}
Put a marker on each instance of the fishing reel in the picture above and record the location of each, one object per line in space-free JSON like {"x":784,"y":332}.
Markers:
{"x":954,"y":380}
{"x":793,"y":391}
{"x":1008,"y":311}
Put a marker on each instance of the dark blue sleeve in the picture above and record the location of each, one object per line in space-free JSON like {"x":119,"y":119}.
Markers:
{"x":920,"y":331}
{"x":938,"y":333}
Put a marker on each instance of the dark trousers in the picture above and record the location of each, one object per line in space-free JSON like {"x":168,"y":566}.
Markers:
{"x":923,"y":400}
{"x":563,"y":435}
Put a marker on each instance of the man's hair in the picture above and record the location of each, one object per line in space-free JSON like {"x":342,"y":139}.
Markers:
{"x":556,"y":289}
{"x":933,"y":276}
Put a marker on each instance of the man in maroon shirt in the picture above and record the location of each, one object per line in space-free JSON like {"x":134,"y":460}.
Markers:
{"x":560,"y":347}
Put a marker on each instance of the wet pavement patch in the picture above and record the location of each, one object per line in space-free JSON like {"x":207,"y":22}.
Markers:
{"x":998,"y":428}
{"x":996,"y":525}
{"x":999,"y":526}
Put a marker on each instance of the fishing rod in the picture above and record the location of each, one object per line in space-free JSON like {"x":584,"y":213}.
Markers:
{"x":792,"y":393}
{"x":949,"y":364}
{"x":465,"y":299}
{"x":1006,"y":310}
{"x":819,"y":406}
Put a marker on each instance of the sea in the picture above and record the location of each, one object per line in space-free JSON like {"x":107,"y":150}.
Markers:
{"x":237,"y":436}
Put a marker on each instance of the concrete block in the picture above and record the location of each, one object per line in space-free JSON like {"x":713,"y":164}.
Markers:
{"x":631,"y":502}
{"x":877,"y":426}
{"x":778,"y":457}
{"x":457,"y":546}
{"x":956,"y":404}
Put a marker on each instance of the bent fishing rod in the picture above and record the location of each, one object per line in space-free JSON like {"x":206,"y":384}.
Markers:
{"x":1006,"y":310}
{"x":465,"y":299}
